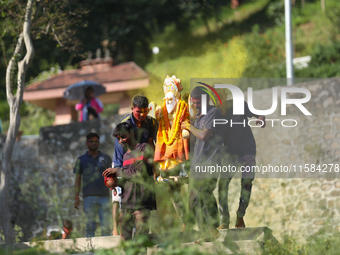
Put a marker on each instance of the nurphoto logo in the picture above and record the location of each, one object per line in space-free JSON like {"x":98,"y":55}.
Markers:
{"x":238,"y":102}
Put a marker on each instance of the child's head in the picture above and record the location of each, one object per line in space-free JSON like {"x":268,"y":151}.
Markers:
{"x":110,"y":182}
{"x":67,"y":227}
{"x":124,"y":133}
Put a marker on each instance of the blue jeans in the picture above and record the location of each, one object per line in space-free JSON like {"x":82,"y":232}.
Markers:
{"x":102,"y":206}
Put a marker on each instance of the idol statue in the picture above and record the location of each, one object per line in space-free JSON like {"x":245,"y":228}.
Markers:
{"x":172,"y":143}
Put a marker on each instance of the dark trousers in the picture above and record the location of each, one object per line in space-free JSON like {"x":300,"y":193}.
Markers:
{"x":203,"y":203}
{"x":246,"y":186}
{"x":138,"y":219}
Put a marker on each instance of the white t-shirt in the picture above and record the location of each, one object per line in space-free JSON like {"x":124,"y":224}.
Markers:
{"x":117,"y":197}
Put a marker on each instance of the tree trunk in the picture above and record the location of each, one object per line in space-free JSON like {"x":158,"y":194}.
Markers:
{"x":14,"y":102}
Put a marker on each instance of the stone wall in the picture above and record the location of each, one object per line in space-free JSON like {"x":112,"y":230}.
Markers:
{"x":42,"y":178}
{"x":299,"y":206}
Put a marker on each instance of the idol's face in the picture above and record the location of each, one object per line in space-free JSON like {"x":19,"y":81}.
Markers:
{"x":170,"y":102}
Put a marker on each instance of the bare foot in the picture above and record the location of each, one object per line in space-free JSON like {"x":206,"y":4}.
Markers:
{"x":183,"y":228}
{"x":115,"y":233}
{"x":240,"y":223}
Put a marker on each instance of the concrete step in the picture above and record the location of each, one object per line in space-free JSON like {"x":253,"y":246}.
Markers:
{"x":231,"y":241}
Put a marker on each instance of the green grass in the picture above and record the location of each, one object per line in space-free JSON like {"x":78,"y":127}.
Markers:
{"x":259,"y":51}
{"x":227,"y":16}
{"x":220,"y":60}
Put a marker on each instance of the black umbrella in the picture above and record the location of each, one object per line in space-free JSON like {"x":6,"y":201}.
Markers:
{"x":77,"y":90}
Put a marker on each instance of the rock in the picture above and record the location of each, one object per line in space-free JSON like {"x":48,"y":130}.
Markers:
{"x":286,"y":142}
{"x":73,"y":146}
{"x":322,"y":203}
{"x":67,"y":135}
{"x":293,"y":157}
{"x":82,"y":132}
{"x":314,"y":187}
{"x":337,"y":184}
{"x":336,"y":119}
{"x":335,"y":193}
{"x":328,"y":136}
{"x":51,"y":135}
{"x":331,"y":203}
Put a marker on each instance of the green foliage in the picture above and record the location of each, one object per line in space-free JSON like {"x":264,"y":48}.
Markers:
{"x":50,"y":202}
{"x":325,"y":62}
{"x":18,"y":234}
{"x":276,"y":11}
{"x":52,"y":32}
{"x":187,"y":49}
{"x":141,"y":244}
{"x":305,"y":14}
{"x":110,"y":109}
{"x":46,"y":74}
{"x":333,"y":13}
{"x":36,"y":118}
{"x":190,"y":40}
{"x":30,"y":251}
{"x":319,"y":243}
{"x":326,"y":54}
{"x":289,"y":246}
{"x":266,"y":53}
{"x":130,"y":25}
{"x":264,"y":46}
{"x":4,"y":110}
{"x":220,"y":60}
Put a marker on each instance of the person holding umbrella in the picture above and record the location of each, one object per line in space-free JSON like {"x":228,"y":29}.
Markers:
{"x":90,"y":107}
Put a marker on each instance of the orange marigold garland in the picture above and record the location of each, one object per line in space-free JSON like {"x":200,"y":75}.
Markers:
{"x":181,"y":106}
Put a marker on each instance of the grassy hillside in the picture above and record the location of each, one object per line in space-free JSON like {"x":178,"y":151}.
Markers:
{"x":250,"y":42}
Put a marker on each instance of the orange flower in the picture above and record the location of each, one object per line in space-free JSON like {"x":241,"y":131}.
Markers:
{"x":176,"y":123}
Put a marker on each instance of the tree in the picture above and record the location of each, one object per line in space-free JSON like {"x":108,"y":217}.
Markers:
{"x":123,"y":24}
{"x":14,"y":101}
{"x":56,"y":18}
{"x":53,"y":31}
{"x":126,"y":26}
